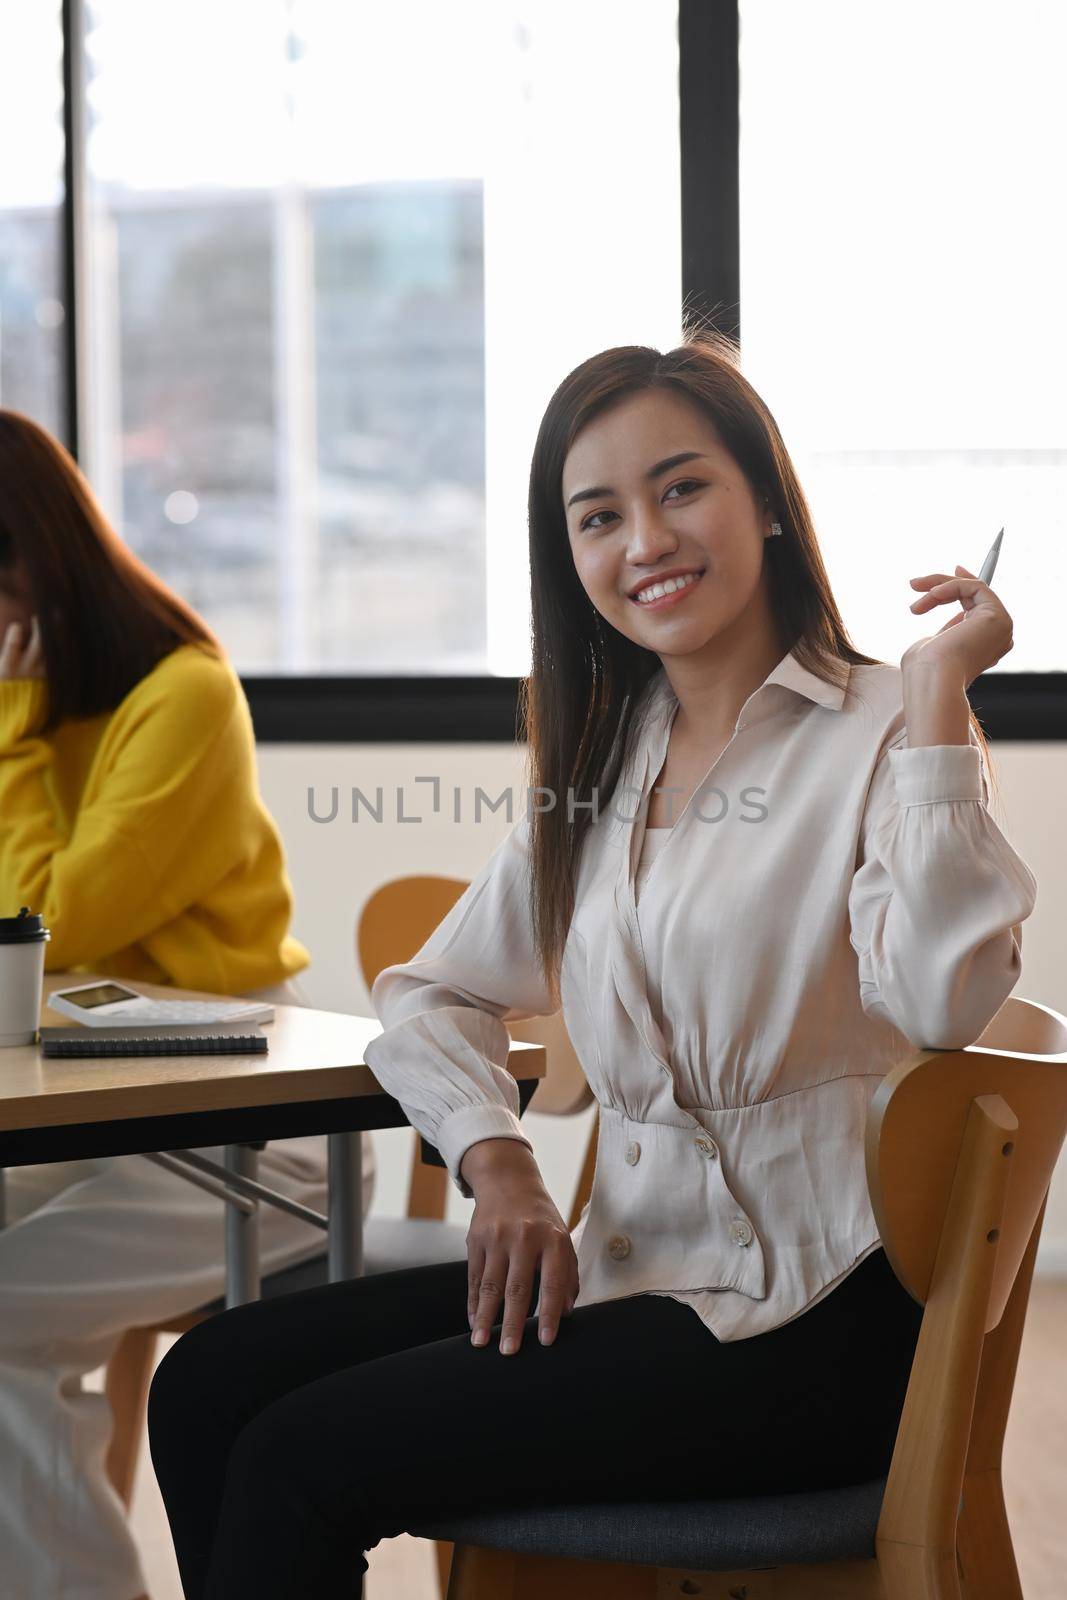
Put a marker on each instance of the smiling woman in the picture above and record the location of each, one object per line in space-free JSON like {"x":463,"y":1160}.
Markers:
{"x":733,"y":1029}
{"x":650,"y":466}
{"x":660,"y":543}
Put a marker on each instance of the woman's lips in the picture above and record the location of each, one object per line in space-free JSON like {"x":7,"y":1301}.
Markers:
{"x":667,"y":600}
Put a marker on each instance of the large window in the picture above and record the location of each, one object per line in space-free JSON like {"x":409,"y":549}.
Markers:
{"x":32,"y":375}
{"x":902,"y":303}
{"x":332,"y":261}
{"x":340,"y":256}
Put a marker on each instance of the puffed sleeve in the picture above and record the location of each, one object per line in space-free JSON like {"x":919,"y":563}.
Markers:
{"x":937,"y":903}
{"x":443,"y":1048}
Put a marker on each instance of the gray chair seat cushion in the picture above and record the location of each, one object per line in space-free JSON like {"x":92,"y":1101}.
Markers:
{"x":393,"y":1242}
{"x":389,"y":1243}
{"x":705,"y":1535}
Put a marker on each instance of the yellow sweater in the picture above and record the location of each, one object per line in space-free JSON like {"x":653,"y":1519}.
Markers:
{"x":141,"y":835}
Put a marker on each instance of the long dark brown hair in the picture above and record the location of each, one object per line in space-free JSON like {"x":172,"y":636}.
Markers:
{"x":576,"y":707}
{"x":106,"y":619}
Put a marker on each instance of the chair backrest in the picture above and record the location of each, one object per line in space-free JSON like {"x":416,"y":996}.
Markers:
{"x":395,"y":923}
{"x":916,"y":1132}
{"x":398,"y":919}
{"x":960,"y":1150}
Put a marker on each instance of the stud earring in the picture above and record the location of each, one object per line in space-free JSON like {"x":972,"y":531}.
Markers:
{"x":776,"y":528}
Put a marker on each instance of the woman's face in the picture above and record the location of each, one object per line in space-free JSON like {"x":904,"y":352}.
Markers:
{"x":15,"y":604}
{"x":697,"y":517}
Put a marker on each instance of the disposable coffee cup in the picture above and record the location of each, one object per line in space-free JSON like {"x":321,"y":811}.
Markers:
{"x":22,"y":942}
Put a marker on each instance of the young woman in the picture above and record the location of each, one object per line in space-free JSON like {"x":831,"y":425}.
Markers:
{"x":762,"y":870}
{"x":131,"y":819}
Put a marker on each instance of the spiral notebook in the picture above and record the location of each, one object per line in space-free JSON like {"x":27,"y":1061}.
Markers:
{"x":239,"y":1039}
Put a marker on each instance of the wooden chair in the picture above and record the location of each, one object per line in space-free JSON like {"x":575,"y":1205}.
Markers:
{"x":383,"y":939}
{"x":395,"y":922}
{"x":960,"y":1150}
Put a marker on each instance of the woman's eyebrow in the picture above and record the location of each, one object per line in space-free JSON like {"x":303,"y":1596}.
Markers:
{"x":653,"y":472}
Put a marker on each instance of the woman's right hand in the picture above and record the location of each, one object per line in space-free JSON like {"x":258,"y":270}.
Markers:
{"x":515,"y":1230}
{"x":21,"y":651}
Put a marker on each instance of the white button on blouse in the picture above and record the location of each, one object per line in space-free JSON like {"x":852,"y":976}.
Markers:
{"x":828,"y":899}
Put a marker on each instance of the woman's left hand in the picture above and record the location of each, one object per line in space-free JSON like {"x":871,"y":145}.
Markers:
{"x":985,"y":637}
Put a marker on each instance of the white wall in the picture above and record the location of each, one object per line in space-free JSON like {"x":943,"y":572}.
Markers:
{"x":335,"y":866}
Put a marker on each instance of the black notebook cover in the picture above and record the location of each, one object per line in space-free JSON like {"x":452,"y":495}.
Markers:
{"x":209,"y":1041}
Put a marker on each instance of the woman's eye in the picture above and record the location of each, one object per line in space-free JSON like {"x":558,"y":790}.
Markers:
{"x":590,"y":521}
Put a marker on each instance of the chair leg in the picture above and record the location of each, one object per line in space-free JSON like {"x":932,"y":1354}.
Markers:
{"x":479,"y":1574}
{"x":443,"y":1552}
{"x":983,"y":1535}
{"x":916,"y":1572}
{"x":129,"y":1373}
{"x":987,"y":1555}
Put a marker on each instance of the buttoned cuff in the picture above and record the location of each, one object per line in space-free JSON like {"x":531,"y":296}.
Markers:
{"x":465,"y":1127}
{"x":936,"y":772}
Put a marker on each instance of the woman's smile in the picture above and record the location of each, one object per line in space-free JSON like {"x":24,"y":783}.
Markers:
{"x":672,"y":592}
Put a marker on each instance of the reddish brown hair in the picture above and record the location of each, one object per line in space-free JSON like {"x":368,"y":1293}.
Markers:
{"x":106,"y":619}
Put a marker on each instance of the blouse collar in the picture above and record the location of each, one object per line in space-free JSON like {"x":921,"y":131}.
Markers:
{"x":788,"y":673}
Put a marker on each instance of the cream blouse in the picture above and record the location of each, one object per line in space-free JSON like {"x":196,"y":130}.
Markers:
{"x":828,"y":899}
{"x":650,"y":848}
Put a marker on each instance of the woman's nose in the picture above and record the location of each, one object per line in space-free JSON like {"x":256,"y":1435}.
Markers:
{"x":649,"y":537}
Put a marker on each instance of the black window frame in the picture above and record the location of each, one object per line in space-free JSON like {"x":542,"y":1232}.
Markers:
{"x":302,"y":708}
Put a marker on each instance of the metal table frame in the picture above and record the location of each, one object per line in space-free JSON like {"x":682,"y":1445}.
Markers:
{"x":169,"y":1140}
{"x":236,"y":1183}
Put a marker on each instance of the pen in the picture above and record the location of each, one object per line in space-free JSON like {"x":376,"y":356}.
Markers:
{"x":989,"y":565}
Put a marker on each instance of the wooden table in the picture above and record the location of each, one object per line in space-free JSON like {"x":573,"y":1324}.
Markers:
{"x":312,"y":1080}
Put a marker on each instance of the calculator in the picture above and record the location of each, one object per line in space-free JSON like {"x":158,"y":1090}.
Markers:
{"x":110,"y":1005}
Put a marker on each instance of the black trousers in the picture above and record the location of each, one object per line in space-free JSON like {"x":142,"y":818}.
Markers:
{"x":291,"y":1435}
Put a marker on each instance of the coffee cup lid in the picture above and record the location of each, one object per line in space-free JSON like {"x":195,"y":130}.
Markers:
{"x":27,"y":928}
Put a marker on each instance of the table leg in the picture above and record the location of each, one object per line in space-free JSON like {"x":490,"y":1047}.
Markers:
{"x":344,"y":1238}
{"x":3,"y":1198}
{"x":242,"y":1233}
